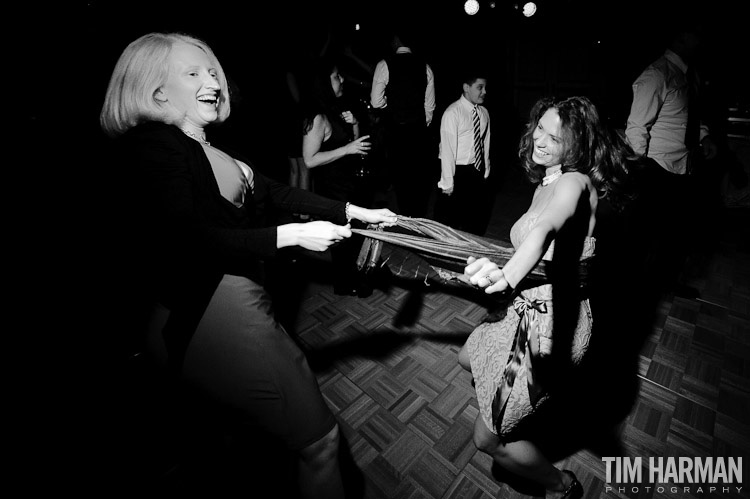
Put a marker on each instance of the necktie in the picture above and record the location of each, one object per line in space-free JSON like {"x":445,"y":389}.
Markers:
{"x":478,"y":144}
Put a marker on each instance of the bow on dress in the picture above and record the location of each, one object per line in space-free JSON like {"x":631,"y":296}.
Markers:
{"x":528,"y":310}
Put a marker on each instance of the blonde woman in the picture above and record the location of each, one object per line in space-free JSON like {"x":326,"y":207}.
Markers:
{"x":200,"y":213}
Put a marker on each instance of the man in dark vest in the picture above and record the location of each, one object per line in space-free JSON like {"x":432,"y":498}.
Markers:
{"x":403,"y":88}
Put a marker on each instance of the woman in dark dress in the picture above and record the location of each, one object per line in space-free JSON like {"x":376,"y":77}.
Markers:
{"x":199,"y":213}
{"x":333,"y":149}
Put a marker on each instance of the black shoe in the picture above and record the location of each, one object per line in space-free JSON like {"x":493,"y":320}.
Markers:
{"x":354,"y":284}
{"x":575,"y":489}
{"x":364,"y":289}
{"x":345,"y":290}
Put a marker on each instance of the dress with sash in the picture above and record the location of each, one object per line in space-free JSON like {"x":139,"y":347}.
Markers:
{"x":502,"y":362}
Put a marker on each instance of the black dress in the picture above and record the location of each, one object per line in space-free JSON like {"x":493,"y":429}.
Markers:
{"x":341,"y":180}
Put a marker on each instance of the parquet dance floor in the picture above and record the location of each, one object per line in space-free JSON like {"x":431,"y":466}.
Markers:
{"x":387,"y":366}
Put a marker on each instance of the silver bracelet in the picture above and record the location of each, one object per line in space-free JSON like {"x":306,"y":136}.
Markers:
{"x":346,"y":212}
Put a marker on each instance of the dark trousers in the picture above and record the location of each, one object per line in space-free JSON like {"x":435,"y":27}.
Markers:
{"x":409,"y":172}
{"x":469,"y":207}
{"x":663,"y":222}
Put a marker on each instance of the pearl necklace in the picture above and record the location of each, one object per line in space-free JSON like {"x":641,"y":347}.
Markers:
{"x":552,"y":177}
{"x":196,"y":137}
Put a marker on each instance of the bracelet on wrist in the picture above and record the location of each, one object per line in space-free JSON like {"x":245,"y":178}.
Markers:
{"x":346,"y":212}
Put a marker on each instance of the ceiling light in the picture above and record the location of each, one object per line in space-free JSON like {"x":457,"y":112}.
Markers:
{"x":471,"y":7}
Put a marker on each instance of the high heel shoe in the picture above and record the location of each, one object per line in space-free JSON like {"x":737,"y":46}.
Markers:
{"x":575,"y":489}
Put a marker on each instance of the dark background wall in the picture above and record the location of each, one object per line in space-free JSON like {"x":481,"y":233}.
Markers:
{"x":570,"y":47}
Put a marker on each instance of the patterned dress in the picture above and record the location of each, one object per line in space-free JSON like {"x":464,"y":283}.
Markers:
{"x":491,"y":344}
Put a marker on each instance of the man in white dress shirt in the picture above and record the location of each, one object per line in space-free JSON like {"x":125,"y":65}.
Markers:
{"x":674,"y":147}
{"x":465,"y":200}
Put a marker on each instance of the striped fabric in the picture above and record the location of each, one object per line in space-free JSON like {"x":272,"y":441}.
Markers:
{"x":478,"y":144}
{"x":442,"y":246}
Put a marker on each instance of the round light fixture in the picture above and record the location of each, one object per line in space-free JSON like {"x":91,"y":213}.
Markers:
{"x":471,"y":7}
{"x":529,"y":8}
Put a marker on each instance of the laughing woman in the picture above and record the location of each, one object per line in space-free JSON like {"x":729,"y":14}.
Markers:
{"x":526,"y":360}
{"x":201,"y":216}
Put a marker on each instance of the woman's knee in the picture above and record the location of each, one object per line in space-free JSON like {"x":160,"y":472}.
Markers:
{"x":485,"y":440}
{"x":484,"y":444}
{"x":324,"y":450}
{"x":463,"y":358}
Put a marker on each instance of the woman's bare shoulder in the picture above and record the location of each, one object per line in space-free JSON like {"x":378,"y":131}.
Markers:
{"x":574,"y":180}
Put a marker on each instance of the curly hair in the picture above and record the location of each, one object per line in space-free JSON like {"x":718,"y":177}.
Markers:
{"x":589,"y":147}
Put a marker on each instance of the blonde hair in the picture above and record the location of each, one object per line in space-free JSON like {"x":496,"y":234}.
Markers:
{"x":143,"y":68}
